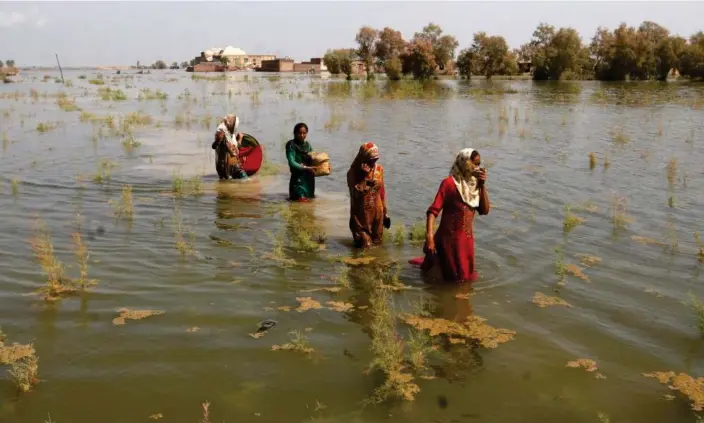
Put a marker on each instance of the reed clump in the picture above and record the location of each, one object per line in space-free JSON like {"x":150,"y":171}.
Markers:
{"x":697,"y":307}
{"x":297,"y":342}
{"x":184,"y":238}
{"x":182,"y":187}
{"x":416,"y":233}
{"x":82,"y":256}
{"x":57,"y":284}
{"x":104,"y":171}
{"x":672,"y":171}
{"x":66,"y":104}
{"x":108,"y":94}
{"x":129,"y":143}
{"x":43,"y":127}
{"x":148,"y":94}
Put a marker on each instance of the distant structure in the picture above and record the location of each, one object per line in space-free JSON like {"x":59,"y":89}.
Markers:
{"x":231,"y":58}
{"x":315,"y":65}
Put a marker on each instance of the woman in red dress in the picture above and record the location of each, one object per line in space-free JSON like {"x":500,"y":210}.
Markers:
{"x":460,"y":197}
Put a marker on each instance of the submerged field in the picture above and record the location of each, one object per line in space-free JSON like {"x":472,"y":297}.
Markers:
{"x":140,"y":280}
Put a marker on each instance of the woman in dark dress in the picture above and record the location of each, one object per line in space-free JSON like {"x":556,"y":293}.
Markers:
{"x":301,"y":186}
{"x":226,"y":146}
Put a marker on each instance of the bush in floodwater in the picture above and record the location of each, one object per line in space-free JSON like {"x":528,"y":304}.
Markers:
{"x":66,"y":104}
{"x":45,"y":126}
{"x":698,"y":309}
{"x":24,"y":366}
{"x":619,"y":216}
{"x":82,"y":256}
{"x":104,"y":168}
{"x":108,"y":94}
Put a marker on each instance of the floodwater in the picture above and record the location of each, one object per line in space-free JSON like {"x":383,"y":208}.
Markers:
{"x":630,"y":317}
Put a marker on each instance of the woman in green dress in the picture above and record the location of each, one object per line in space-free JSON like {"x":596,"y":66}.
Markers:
{"x":301,"y":187}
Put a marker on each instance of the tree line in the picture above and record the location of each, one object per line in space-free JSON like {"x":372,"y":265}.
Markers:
{"x":9,"y":63}
{"x":648,"y":52}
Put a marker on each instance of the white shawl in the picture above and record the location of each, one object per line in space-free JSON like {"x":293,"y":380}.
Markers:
{"x":462,"y":175}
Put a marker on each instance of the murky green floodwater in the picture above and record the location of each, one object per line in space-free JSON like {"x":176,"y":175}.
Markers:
{"x":629,"y":317}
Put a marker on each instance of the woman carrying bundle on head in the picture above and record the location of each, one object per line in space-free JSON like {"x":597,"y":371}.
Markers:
{"x":301,"y":186}
{"x":460,"y":197}
{"x":368,"y":213}
{"x":226,"y":146}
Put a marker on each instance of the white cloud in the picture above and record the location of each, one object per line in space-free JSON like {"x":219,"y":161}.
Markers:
{"x":10,"y":19}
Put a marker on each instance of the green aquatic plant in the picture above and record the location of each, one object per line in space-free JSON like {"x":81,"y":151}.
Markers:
{"x":57,"y":283}
{"x":82,"y":256}
{"x":697,"y":307}
{"x":15,"y":186}
{"x":46,"y":126}
{"x":416,"y":233}
{"x":129,"y":142}
{"x":672,"y":171}
{"x":570,"y":221}
{"x":104,"y":168}
{"x":619,"y":215}
{"x":148,"y":94}
{"x":108,"y":94}
{"x":123,"y":207}
{"x":66,"y":104}
{"x":184,"y":238}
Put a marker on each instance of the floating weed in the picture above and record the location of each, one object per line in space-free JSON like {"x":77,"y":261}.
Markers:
{"x":124,"y":207}
{"x":698,"y":308}
{"x":127,"y":314}
{"x":343,"y":278}
{"x":307,"y":303}
{"x":298,"y":342}
{"x":543,"y":301}
{"x":420,"y":346}
{"x":82,"y":256}
{"x":576,"y":271}
{"x":570,"y":220}
{"x":588,"y":260}
{"x":685,"y":384}
{"x":24,"y":367}
{"x":96,"y":81}
{"x":339,"y":306}
{"x":592,"y":160}
{"x":473,"y":328}
{"x":184,"y":238}
{"x":148,"y":94}
{"x":399,"y":236}
{"x":584,"y":363}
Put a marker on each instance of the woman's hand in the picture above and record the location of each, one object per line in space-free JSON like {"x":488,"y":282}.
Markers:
{"x":310,"y":169}
{"x":430,"y":245}
{"x":481,"y":175}
{"x":238,"y":138}
{"x":366,"y":168}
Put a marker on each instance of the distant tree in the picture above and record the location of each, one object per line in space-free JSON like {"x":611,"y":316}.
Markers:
{"x":419,"y":59}
{"x":332,"y":61}
{"x":10,"y":63}
{"x":192,"y":62}
{"x":366,"y":38}
{"x":491,"y":56}
{"x":443,"y":46}
{"x":393,"y":68}
{"x":667,"y":55}
{"x":346,"y":57}
{"x":184,"y":65}
{"x":692,"y":58}
{"x":464,"y":63}
{"x":389,"y":45}
{"x":159,"y":64}
{"x":174,"y":65}
{"x":1,"y":64}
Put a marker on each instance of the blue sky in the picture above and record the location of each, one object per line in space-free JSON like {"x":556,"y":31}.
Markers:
{"x":121,"y":33}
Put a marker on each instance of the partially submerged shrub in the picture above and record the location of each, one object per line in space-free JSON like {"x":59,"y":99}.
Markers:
{"x":24,"y":367}
{"x":571,"y":221}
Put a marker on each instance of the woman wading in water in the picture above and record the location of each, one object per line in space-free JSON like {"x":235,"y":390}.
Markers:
{"x":368,"y":213}
{"x":226,"y":146}
{"x":301,"y":187}
{"x":460,"y":197}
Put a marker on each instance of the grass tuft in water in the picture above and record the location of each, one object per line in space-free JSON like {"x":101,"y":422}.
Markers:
{"x":416,"y":233}
{"x":298,"y":342}
{"x":592,"y":160}
{"x":697,"y":307}
{"x":619,"y":215}
{"x":184,"y":238}
{"x":82,"y":256}
{"x":108,"y":94}
{"x":570,"y":220}
{"x":129,"y":143}
{"x":672,"y":171}
{"x":15,"y":186}
{"x":104,"y":168}
{"x":619,"y":136}
{"x":123,"y":207}
{"x":57,"y":283}
{"x":24,"y":373}
{"x":700,"y":246}
{"x":66,"y":104}
{"x":43,"y":127}
{"x":182,"y":187}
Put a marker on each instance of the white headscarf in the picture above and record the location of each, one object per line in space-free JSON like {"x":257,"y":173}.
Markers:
{"x":462,"y":175}
{"x":224,"y":127}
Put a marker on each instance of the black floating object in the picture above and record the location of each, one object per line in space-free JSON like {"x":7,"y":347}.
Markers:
{"x":100,"y":230}
{"x":387,"y":222}
{"x":442,"y":401}
{"x":265,"y":325}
